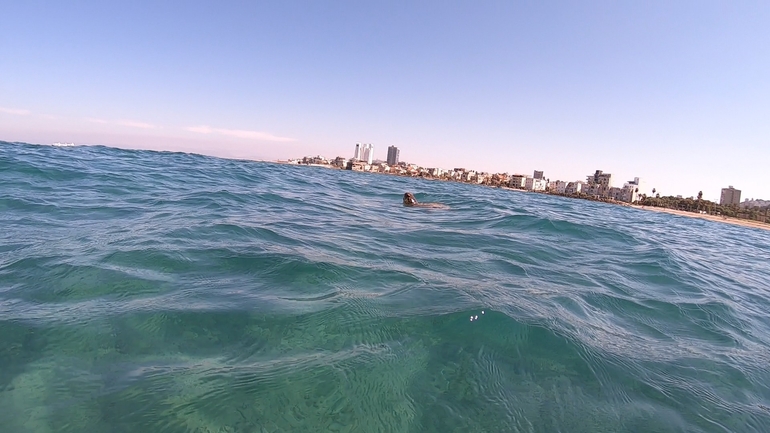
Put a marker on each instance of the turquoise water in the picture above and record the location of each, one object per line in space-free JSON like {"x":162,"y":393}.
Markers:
{"x":166,"y":292}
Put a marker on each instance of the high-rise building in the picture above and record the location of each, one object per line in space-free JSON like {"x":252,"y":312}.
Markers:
{"x":730,"y":196}
{"x":393,"y":154}
{"x":367,"y":153}
{"x":357,"y":154}
{"x":538,"y":174}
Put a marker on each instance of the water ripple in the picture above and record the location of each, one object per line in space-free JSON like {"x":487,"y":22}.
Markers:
{"x":162,"y":291}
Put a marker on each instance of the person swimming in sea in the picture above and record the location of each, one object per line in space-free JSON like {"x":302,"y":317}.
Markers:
{"x":411,"y":201}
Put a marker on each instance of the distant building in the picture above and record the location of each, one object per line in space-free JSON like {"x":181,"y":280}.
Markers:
{"x":367,"y":153}
{"x":518,"y":181}
{"x":730,"y":196}
{"x":393,"y":154}
{"x":574,"y":188}
{"x":615,"y":193}
{"x":599,"y":184}
{"x":538,"y":174}
{"x":534,"y":184}
{"x":631,"y":190}
{"x":340,"y":162}
{"x":357,"y":154}
{"x":558,"y":187}
{"x":436,"y":172}
{"x":357,"y":166}
{"x":364,"y":152}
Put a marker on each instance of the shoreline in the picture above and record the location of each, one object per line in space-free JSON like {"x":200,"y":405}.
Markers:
{"x":722,"y":219}
{"x":715,"y":218}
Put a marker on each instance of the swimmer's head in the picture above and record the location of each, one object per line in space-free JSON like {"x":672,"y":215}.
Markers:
{"x":409,"y":199}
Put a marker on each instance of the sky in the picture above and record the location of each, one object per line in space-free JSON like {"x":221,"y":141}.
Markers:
{"x":676,"y":93}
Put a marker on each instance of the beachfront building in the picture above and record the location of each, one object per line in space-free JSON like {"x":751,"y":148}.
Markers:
{"x":574,"y":188}
{"x":340,"y":162}
{"x":435,"y":172}
{"x":629,"y":193}
{"x":558,"y":187}
{"x":538,"y":174}
{"x":534,"y":184}
{"x":315,"y":160}
{"x":730,"y":196}
{"x":598,"y":184}
{"x":614,"y":193}
{"x":358,"y":166}
{"x":393,"y":154}
{"x":631,"y":190}
{"x":500,"y":179}
{"x":518,"y":181}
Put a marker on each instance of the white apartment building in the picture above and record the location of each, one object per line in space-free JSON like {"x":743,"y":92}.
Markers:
{"x":574,"y":187}
{"x":364,"y":152}
{"x":533,"y":184}
{"x":558,"y":186}
{"x":367,"y":153}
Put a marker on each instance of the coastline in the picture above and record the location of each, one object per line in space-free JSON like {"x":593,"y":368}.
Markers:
{"x":721,"y":219}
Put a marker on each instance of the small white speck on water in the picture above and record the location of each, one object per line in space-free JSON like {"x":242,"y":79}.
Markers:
{"x":476,"y":318}
{"x":482,"y":311}
{"x":471,"y":318}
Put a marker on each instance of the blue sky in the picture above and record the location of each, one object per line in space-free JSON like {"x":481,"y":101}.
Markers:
{"x":677,"y":93}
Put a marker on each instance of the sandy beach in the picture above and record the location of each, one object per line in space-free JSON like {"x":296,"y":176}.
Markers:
{"x":722,"y":219}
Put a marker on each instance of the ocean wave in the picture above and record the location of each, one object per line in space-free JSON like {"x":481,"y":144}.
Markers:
{"x":152,"y":291}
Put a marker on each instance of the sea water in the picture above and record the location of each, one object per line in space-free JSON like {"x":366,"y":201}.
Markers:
{"x":166,"y":292}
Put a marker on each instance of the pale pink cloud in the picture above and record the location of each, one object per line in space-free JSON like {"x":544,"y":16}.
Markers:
{"x":16,"y":111}
{"x":129,"y":123}
{"x":135,"y":124}
{"x":239,"y":133}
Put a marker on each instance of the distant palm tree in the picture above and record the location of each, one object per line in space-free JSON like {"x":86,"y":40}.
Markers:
{"x":700,"y":195}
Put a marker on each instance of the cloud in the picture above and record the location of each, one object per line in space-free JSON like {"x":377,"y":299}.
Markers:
{"x":129,"y":123}
{"x":239,"y":133}
{"x":135,"y":124}
{"x":16,"y":111}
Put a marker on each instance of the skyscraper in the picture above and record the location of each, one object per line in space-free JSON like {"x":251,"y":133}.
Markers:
{"x":393,"y":153}
{"x":730,"y":196}
{"x":357,"y":154}
{"x":367,"y":154}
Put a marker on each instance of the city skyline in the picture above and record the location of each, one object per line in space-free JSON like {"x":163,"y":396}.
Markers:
{"x":673,"y":93}
{"x":630,"y":189}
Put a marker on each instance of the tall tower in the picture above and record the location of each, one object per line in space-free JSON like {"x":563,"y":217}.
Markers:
{"x":730,"y":196}
{"x":393,"y":154}
{"x":368,"y":153}
{"x":357,"y":154}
